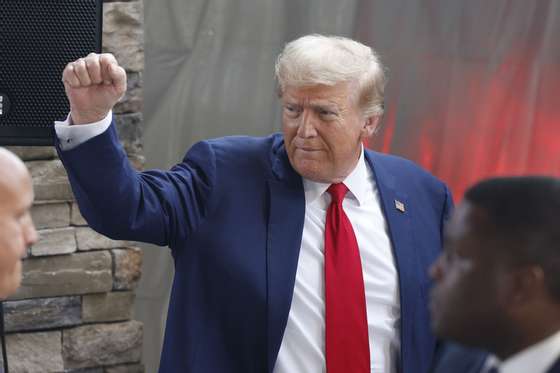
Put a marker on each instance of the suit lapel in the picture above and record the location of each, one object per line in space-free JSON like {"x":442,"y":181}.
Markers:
{"x":393,"y":202}
{"x":555,"y":368}
{"x":285,"y":228}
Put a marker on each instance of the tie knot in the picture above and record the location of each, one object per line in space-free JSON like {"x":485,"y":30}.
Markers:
{"x":337,"y":192}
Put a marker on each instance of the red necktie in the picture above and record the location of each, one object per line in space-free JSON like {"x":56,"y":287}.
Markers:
{"x":347,"y":344}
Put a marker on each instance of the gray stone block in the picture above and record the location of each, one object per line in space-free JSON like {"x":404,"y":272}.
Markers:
{"x":34,"y":352}
{"x":132,"y":101}
{"x":130,"y":132}
{"x":55,"y":241}
{"x":45,"y":313}
{"x":137,"y":161}
{"x":102,"y":344}
{"x":72,"y":274}
{"x":85,"y":370}
{"x":128,"y":368}
{"x":107,"y":307}
{"x":50,"y":181}
{"x":76,"y":217}
{"x":51,"y":215}
{"x":88,"y":239}
{"x":128,"y":268}
{"x":123,"y":33}
{"x":33,"y":153}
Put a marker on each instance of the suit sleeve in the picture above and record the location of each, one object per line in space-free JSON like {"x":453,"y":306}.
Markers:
{"x":159,"y":207}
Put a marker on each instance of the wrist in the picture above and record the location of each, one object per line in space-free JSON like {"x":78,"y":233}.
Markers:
{"x":78,"y":118}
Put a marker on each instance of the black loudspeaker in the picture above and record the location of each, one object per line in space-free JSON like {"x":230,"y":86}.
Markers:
{"x":37,"y":39}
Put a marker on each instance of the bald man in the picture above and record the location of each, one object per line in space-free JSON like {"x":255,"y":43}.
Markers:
{"x":17,"y":231}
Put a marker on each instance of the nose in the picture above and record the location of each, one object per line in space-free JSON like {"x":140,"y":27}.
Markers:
{"x":30,"y":233}
{"x":307,"y":126}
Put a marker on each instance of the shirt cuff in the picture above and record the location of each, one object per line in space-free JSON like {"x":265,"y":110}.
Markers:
{"x":71,"y":136}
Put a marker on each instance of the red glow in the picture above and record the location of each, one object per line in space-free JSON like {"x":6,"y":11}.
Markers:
{"x":480,"y":120}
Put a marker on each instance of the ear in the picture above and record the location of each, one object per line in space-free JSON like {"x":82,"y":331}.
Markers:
{"x":371,"y":125}
{"x":528,"y":285}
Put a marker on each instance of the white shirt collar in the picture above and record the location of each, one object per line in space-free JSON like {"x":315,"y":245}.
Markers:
{"x":356,"y":182}
{"x":537,"y":358}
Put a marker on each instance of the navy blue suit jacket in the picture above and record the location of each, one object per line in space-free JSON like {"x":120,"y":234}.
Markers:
{"x":232,"y":212}
{"x":455,"y":358}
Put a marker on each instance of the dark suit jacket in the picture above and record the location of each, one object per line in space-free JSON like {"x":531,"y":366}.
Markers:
{"x":232,"y":213}
{"x":459,"y":359}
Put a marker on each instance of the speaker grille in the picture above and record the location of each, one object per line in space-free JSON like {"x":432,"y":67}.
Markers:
{"x":37,"y":39}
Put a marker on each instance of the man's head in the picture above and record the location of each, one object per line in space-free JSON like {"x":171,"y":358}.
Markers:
{"x":497,"y":284}
{"x":17,"y":231}
{"x":332,"y":99}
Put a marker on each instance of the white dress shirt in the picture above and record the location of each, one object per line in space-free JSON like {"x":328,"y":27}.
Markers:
{"x":303,"y":344}
{"x":537,"y":358}
{"x":72,"y":136}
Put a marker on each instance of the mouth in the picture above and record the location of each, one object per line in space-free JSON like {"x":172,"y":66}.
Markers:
{"x":305,"y":149}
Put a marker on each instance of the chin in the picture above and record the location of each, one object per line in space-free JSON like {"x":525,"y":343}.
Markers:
{"x":7,"y":289}
{"x":306,"y":169}
{"x":9,"y":284}
{"x":313,"y":176}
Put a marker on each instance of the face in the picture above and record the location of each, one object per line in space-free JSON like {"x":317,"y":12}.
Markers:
{"x":323,"y":130}
{"x":468,"y":300}
{"x":17,"y":231}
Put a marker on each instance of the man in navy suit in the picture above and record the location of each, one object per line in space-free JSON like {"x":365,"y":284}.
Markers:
{"x":249,"y":221}
{"x":497,"y":284}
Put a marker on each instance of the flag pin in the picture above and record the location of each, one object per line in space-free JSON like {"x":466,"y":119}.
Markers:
{"x":399,"y":206}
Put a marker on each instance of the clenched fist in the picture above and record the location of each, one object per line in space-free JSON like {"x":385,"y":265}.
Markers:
{"x":94,"y":85}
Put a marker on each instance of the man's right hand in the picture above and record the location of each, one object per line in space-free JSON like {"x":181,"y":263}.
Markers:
{"x":93,"y":85}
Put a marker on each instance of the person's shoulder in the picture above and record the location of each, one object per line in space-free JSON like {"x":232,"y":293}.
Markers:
{"x":401,"y":167}
{"x":242,"y":155}
{"x":460,"y":359}
{"x":236,"y":147}
{"x":246,"y":143}
{"x":243,"y":146}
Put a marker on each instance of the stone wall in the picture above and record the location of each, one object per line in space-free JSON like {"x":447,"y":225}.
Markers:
{"x":73,"y":310}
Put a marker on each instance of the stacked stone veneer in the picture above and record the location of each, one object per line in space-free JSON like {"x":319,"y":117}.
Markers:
{"x":73,"y":310}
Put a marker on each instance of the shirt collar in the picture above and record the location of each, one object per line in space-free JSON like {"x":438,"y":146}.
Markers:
{"x":536,"y":358}
{"x":356,"y":182}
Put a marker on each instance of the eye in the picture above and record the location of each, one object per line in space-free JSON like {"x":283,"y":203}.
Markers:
{"x":291,"y":110}
{"x":327,"y":114}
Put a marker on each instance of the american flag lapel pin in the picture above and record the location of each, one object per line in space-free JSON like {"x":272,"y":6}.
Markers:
{"x":399,"y":206}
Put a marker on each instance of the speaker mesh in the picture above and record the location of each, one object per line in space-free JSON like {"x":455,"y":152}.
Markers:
{"x":37,"y":39}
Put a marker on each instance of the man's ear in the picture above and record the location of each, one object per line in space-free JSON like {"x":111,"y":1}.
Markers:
{"x":528,"y":283}
{"x":371,"y":125}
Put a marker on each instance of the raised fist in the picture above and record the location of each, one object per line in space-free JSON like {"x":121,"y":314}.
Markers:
{"x":93,"y":85}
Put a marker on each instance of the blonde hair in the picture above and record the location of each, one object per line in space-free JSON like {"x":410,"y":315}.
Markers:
{"x":328,"y":60}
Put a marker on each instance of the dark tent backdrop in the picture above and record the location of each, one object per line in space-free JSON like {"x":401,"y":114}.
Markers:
{"x":473,"y":88}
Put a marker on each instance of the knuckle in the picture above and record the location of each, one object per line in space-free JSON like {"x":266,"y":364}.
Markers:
{"x":79,"y":64}
{"x":110,"y":57}
{"x":92,"y":59}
